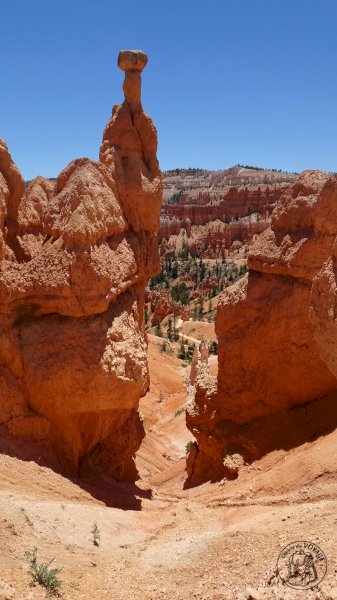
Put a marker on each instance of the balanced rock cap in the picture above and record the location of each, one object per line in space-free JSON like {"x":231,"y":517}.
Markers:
{"x":134,"y":60}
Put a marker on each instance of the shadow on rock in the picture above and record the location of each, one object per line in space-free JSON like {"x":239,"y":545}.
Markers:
{"x":125,"y":495}
{"x":231,"y":445}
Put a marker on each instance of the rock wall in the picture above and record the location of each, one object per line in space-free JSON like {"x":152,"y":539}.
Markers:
{"x":234,"y":204}
{"x":189,"y":184}
{"x":169,"y":226}
{"x":211,"y":240}
{"x":276,"y":334}
{"x":76,"y":255}
{"x":213,"y":226}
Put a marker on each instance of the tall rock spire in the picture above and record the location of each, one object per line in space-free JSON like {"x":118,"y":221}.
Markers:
{"x":132,"y":62}
{"x":129,"y":150}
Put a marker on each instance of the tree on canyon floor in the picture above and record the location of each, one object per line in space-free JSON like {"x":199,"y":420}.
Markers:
{"x":182,"y":276}
{"x":158,"y":330}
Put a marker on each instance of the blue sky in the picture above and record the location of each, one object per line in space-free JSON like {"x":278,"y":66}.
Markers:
{"x":228,"y":81}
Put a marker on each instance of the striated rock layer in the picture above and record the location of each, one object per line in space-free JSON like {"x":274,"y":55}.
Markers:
{"x":209,"y":241}
{"x":75,"y":256}
{"x":276,"y":330}
{"x":214,"y":219}
{"x":234,"y":203}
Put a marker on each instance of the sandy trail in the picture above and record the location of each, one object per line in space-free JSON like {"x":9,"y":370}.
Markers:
{"x":210,"y":542}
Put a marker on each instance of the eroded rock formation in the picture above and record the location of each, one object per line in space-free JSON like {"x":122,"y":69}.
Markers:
{"x":76,"y":255}
{"x":276,"y":330}
{"x":213,"y":220}
{"x":162,"y":305}
{"x":234,"y":203}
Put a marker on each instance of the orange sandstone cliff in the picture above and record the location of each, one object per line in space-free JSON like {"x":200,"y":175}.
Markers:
{"x":75,"y":256}
{"x":276,"y":328}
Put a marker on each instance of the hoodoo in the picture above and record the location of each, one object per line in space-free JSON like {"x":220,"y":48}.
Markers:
{"x":75,"y":256}
{"x":276,"y":384}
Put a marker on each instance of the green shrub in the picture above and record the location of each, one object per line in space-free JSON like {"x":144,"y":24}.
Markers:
{"x":165,"y":347}
{"x":213,"y":348}
{"x":158,"y":331}
{"x":179,"y":293}
{"x":43,"y":575}
{"x":179,"y":411}
{"x":96,"y":536}
{"x":189,"y":446}
{"x":181,"y":352}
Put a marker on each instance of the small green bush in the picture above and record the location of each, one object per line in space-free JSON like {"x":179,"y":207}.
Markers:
{"x":165,"y":347}
{"x":189,"y":446}
{"x":96,"y":535}
{"x":43,"y":575}
{"x":179,"y":411}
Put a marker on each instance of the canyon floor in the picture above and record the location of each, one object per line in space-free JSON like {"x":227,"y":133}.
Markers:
{"x":219,"y":541}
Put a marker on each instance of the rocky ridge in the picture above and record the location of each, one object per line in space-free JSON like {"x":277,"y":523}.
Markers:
{"x":193,"y":182}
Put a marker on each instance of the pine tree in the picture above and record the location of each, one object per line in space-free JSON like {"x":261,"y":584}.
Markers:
{"x":201,"y":308}
{"x":181,"y":351}
{"x":170,"y":333}
{"x":159,"y":332}
{"x":213,"y":347}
